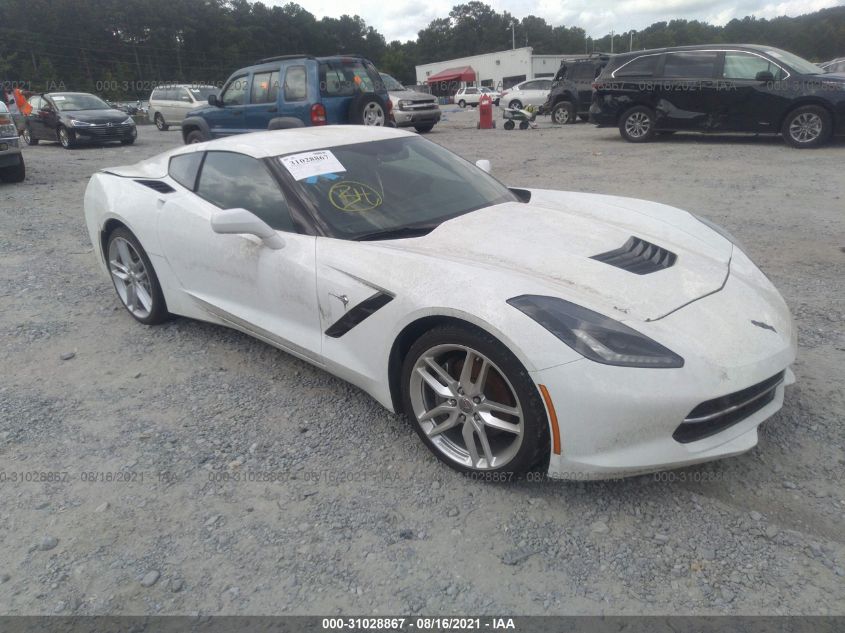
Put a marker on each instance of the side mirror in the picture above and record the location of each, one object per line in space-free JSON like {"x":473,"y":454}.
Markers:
{"x":212,"y":101}
{"x":484,"y":165}
{"x":765,"y":75}
{"x":235,"y":221}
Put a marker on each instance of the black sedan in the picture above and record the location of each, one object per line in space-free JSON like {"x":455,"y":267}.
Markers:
{"x":719,"y":88}
{"x":73,"y":118}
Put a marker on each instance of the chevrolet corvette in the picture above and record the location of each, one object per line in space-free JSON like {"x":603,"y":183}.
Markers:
{"x":580,"y":335}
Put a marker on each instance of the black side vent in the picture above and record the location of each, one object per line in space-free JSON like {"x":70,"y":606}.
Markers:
{"x":638,"y":256}
{"x":158,"y":185}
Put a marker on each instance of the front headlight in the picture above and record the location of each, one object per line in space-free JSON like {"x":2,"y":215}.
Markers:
{"x":404,"y":103}
{"x":719,"y":229}
{"x":78,"y":123}
{"x":594,"y":335}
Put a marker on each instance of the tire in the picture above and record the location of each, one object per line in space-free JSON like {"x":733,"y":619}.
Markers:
{"x":65,"y":137}
{"x":517,"y":442}
{"x":636,"y":125}
{"x":160,"y":124}
{"x":516,"y":104}
{"x":523,"y":125}
{"x":28,"y":138}
{"x":194,"y":136}
{"x":142,"y":276}
{"x":368,"y":109}
{"x":509,"y":125}
{"x":563,"y":113}
{"x":462,"y":104}
{"x":15,"y":173}
{"x":422,"y":129}
{"x":807,"y":127}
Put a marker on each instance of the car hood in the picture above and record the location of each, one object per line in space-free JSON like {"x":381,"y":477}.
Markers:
{"x":96,"y":116}
{"x":413,"y":95}
{"x":553,"y":238}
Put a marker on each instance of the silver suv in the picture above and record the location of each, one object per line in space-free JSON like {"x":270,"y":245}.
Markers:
{"x":411,"y":108}
{"x":12,"y":167}
{"x":169,"y":104}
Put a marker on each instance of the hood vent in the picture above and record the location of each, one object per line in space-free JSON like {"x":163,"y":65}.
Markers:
{"x":638,"y":256}
{"x":158,"y":185}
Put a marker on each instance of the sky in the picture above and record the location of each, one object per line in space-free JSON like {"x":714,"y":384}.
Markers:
{"x":401,"y":19}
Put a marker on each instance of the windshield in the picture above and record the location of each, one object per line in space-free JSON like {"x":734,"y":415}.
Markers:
{"x":798,"y":64}
{"x":390,"y":83}
{"x":203,"y":92}
{"x":387,"y":185}
{"x":79,"y":101}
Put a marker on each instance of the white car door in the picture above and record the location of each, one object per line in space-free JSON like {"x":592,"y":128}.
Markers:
{"x":237,"y":278}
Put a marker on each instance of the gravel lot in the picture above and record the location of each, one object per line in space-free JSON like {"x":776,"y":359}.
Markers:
{"x":363,"y":519}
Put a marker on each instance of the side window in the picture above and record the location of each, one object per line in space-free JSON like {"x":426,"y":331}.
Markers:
{"x":235,"y":92}
{"x":184,"y":96}
{"x":265,"y":87}
{"x":746,"y":66}
{"x":230,"y":180}
{"x":545,"y":85}
{"x":170,"y":94}
{"x":296,"y":88}
{"x":690,"y":65}
{"x":184,"y":167}
{"x":472,"y":91}
{"x":639,"y":67}
{"x":36,"y":103}
{"x":156,"y":95}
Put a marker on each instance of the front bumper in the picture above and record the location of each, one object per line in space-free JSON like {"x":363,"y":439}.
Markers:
{"x":618,"y":421}
{"x":406,"y":118}
{"x":10,"y":152}
{"x":104,"y":133}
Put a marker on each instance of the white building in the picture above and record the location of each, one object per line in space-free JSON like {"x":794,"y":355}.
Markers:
{"x":497,"y":70}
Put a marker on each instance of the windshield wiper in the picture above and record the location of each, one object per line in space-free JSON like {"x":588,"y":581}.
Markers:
{"x":398,"y":232}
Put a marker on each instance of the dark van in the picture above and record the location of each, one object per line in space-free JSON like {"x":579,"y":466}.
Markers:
{"x":719,"y":88}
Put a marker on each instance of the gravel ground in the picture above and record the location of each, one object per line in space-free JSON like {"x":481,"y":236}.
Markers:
{"x":362,"y":519}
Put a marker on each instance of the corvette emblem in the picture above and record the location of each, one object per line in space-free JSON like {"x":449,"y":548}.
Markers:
{"x":765,"y":326}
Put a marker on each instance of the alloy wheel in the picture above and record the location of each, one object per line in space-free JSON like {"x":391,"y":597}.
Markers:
{"x":373,"y":114}
{"x":467,"y":407}
{"x":561,"y":116}
{"x":64,"y":137}
{"x":806,"y":127}
{"x":131,"y":278}
{"x":638,"y":124}
{"x":27,"y":136}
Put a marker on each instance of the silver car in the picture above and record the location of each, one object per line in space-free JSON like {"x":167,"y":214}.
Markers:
{"x":12,"y":167}
{"x":411,"y":108}
{"x":169,"y":104}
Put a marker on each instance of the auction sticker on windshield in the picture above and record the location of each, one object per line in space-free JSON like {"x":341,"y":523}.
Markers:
{"x":310,"y":164}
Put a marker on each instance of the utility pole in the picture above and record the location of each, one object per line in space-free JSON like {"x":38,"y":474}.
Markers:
{"x":611,"y":41}
{"x":513,"y":34}
{"x":631,"y":43}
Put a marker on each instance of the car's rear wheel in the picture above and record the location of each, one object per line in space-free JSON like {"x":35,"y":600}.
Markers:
{"x":807,"y":127}
{"x":66,"y":137}
{"x":637,"y":124}
{"x":28,"y":138}
{"x":134,"y":279}
{"x":422,"y":129}
{"x":368,"y":109}
{"x":516,"y":104}
{"x":160,"y":124}
{"x":473,"y":403}
{"x":462,"y":104}
{"x":563,"y":113}
{"x":194,"y":136}
{"x":15,"y":173}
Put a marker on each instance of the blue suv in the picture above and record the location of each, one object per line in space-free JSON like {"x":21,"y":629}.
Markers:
{"x":292,"y":91}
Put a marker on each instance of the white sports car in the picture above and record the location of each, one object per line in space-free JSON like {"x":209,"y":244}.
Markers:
{"x":590,"y":336}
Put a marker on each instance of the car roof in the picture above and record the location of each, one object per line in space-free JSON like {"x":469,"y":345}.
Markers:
{"x":700,"y":47}
{"x":277,"y":142}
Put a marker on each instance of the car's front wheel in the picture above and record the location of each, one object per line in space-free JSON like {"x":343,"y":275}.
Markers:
{"x":134,"y":279}
{"x":160,"y":124}
{"x":563,"y":113}
{"x":66,"y":138}
{"x":473,"y":403}
{"x":637,"y":124}
{"x":516,"y":104}
{"x":422,"y":129}
{"x":462,"y":104}
{"x":807,"y":127}
{"x":194,"y":136}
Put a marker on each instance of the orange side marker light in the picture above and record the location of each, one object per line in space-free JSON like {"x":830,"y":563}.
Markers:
{"x":553,"y":418}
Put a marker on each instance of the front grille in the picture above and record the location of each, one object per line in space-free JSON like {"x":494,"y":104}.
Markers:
{"x":103,"y":131}
{"x":421,"y":105}
{"x":714,"y":416}
{"x":158,"y":185}
{"x":638,"y":256}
